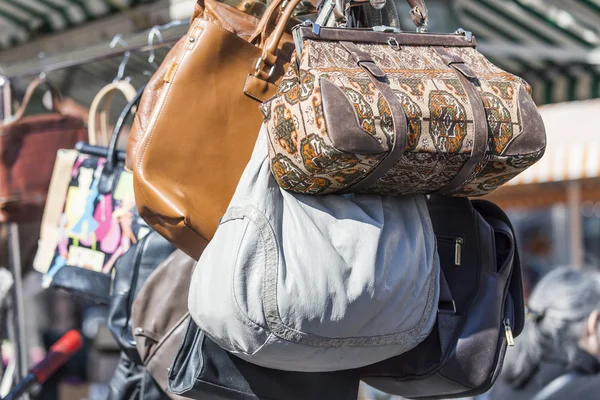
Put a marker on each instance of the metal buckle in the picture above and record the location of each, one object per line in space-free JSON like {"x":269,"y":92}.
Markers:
{"x":393,"y":43}
{"x":440,"y":310}
{"x":259,"y":64}
{"x":467,"y":34}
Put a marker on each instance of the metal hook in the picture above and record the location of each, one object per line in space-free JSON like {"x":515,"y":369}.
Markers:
{"x":118,"y":39}
{"x":155,"y":31}
{"x":42,"y":74}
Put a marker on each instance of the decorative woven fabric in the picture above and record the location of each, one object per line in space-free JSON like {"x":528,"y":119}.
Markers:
{"x":436,"y":105}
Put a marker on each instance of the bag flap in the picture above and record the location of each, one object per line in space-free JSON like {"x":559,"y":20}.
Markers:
{"x":490,"y":210}
{"x":153,"y":318}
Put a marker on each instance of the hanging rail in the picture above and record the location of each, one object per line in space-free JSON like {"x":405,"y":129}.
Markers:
{"x":90,"y":54}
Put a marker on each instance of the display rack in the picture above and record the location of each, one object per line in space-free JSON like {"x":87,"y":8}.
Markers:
{"x":148,"y":41}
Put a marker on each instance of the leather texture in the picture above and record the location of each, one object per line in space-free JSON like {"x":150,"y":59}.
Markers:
{"x":204,"y":124}
{"x":133,"y":382}
{"x":90,"y":285}
{"x":400,"y":90}
{"x":131,"y":272}
{"x":204,"y":371}
{"x":304,"y":283}
{"x":160,"y":315}
{"x":28,"y":146}
{"x":463,"y":355}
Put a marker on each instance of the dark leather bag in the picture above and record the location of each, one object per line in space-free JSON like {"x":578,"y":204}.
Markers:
{"x":202,"y":370}
{"x":28,"y":146}
{"x":131,"y":272}
{"x":481,"y":307}
{"x":132,"y":381}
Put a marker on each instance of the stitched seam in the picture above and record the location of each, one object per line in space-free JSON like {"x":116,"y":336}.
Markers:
{"x":152,"y":122}
{"x":235,"y":270}
{"x":166,"y":336}
{"x":278,"y":327}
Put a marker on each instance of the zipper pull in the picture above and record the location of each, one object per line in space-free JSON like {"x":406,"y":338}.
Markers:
{"x":458,"y":251}
{"x":508,"y":332}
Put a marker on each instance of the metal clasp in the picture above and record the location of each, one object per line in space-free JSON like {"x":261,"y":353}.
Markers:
{"x":467,"y":34}
{"x":259,"y":64}
{"x":393,"y":43}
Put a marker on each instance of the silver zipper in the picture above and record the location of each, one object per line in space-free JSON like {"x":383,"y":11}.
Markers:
{"x":510,"y":340}
{"x":458,"y":251}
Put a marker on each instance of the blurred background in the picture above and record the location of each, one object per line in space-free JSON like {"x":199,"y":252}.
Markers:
{"x":553,"y":44}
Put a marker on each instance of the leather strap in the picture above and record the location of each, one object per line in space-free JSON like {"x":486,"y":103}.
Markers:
{"x":446,"y":299}
{"x":398,"y":117}
{"x":480,"y":137}
{"x":105,"y":96}
{"x":29,"y":94}
{"x":418,"y":12}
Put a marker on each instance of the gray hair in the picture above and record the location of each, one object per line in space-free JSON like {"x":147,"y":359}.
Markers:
{"x":559,"y":307}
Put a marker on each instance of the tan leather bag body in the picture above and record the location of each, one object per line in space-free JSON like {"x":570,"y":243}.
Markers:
{"x":205,"y":122}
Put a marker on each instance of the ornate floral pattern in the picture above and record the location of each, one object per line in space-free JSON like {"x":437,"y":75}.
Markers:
{"x":438,"y":111}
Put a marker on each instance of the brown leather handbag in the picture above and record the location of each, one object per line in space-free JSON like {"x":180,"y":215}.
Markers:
{"x":28,"y":146}
{"x":204,"y":124}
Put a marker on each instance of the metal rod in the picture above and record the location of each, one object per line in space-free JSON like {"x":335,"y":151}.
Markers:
{"x":575,"y":224}
{"x":106,"y":54}
{"x":14,"y":260}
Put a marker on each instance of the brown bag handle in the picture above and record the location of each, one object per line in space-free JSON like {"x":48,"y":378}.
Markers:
{"x":29,"y":94}
{"x":418,"y":12}
{"x":269,"y":44}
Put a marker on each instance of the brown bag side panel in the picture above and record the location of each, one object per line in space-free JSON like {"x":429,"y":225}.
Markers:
{"x":159,"y":314}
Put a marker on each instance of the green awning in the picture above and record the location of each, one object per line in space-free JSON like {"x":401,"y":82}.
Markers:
{"x":553,"y":44}
{"x":22,"y":20}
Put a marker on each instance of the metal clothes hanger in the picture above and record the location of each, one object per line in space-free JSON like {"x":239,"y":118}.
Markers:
{"x":118,"y":39}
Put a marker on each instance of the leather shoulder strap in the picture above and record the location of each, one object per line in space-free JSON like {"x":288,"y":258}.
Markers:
{"x":29,"y":94}
{"x":105,"y":96}
{"x":556,"y":385}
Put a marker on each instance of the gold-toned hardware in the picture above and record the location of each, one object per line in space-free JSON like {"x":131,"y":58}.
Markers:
{"x":458,"y":251}
{"x":170,"y":72}
{"x":510,"y":340}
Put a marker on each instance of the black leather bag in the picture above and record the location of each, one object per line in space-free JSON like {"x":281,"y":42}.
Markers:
{"x":133,"y":382}
{"x":202,"y":370}
{"x":481,"y":307}
{"x":131,"y":271}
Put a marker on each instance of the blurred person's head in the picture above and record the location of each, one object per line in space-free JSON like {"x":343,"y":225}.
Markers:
{"x":563,"y":317}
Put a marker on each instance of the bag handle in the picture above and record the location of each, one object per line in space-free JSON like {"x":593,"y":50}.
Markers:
{"x":29,"y":94}
{"x":418,"y":13}
{"x":108,"y":179}
{"x":105,"y":96}
{"x":269,"y":44}
{"x":111,"y":159}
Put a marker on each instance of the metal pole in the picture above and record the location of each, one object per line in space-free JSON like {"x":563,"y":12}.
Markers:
{"x":575,"y":225}
{"x":17,"y":321}
{"x":14,"y":261}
